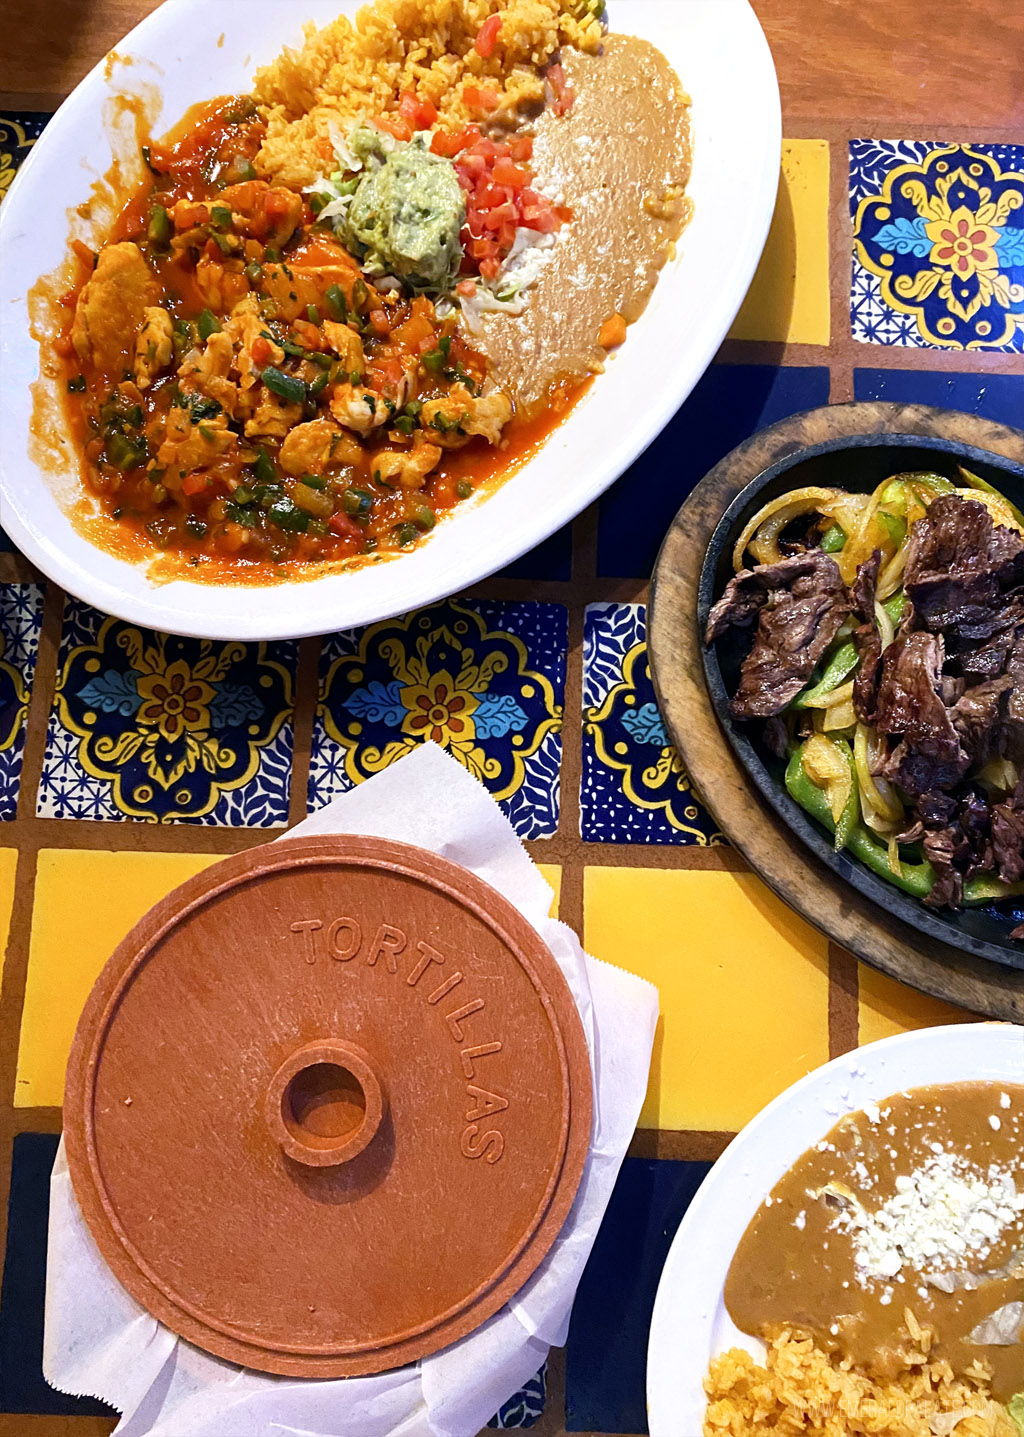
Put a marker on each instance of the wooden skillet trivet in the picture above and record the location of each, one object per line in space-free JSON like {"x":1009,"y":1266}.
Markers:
{"x":328,"y":1106}
{"x":768,"y":845}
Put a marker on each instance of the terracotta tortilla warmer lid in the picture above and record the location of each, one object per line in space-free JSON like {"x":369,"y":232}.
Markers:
{"x":328,"y":1106}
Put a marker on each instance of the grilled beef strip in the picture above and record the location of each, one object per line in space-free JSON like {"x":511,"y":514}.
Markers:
{"x":799,"y":604}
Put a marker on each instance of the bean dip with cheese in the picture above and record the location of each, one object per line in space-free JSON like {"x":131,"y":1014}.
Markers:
{"x":907,"y":1217}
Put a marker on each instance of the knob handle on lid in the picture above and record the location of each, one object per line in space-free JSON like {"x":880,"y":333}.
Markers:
{"x":325,"y":1103}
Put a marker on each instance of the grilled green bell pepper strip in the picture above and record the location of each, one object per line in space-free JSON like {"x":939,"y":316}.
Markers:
{"x":917,"y":879}
{"x":987,"y":888}
{"x":833,"y":539}
{"x":839,"y":667}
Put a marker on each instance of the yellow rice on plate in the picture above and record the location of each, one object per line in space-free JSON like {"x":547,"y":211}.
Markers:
{"x":360,"y":68}
{"x":802,"y":1392}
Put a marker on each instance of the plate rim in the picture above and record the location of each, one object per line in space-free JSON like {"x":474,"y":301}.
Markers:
{"x":190,"y":609}
{"x":863,"y":1069}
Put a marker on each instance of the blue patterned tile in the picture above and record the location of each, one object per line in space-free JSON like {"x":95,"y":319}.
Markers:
{"x":526,"y":1408}
{"x":731,"y":402}
{"x":150,"y":726}
{"x":634,"y":787}
{"x":485,"y":680}
{"x":606,"y":1355}
{"x":22,"y":1385}
{"x":19,"y":131}
{"x":21,"y":616}
{"x":938,"y":257}
{"x":993,"y":396}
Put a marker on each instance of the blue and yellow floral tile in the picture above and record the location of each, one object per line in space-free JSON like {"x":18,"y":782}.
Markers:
{"x":485,"y":680}
{"x":21,"y":616}
{"x":634,"y":787}
{"x":18,"y":133}
{"x":938,"y":244}
{"x":163,"y":729}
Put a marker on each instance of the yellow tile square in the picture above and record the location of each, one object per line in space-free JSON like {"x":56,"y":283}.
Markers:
{"x":84,"y":905}
{"x":789,"y":300}
{"x":552,"y":875}
{"x":887,"y":1007}
{"x":743,"y":984}
{"x":8,"y":868}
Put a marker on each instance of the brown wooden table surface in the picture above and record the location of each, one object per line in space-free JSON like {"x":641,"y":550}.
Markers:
{"x":884,"y":68}
{"x":895,"y":63}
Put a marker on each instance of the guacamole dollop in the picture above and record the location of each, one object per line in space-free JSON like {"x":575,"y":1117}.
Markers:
{"x":406,"y":216}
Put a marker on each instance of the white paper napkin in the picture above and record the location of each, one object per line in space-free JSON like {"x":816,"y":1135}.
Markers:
{"x":100,"y":1343}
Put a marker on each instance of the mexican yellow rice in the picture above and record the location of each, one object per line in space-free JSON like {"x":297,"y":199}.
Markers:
{"x":362,"y":68}
{"x":802,"y":1392}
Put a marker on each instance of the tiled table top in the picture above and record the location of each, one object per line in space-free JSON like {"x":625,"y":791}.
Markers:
{"x":130,"y":760}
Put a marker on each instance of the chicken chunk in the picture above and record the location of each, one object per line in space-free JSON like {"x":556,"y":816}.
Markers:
{"x":410,"y":469}
{"x":154,"y":345}
{"x":112,"y":308}
{"x":221,"y":282}
{"x":346,"y":345}
{"x":207,"y":370}
{"x":358,"y":409}
{"x":488,"y":416}
{"x":188,"y":447}
{"x":273,"y":417}
{"x":266,"y":214}
{"x":460,"y":416}
{"x":295,"y":284}
{"x":244,"y":327}
{"x":311,"y":448}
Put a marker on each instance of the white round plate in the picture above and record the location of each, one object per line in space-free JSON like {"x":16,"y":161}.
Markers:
{"x":194,"y":50}
{"x":690,"y":1325}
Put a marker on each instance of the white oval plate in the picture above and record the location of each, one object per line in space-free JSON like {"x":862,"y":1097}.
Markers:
{"x":721,"y":55}
{"x":690,"y":1324}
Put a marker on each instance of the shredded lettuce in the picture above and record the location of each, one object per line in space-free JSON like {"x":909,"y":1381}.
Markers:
{"x":1015,"y":1407}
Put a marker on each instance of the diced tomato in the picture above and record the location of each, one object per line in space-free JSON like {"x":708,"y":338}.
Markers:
{"x":565,"y":97}
{"x":395,"y":125}
{"x":305,"y":334}
{"x":486,"y":101}
{"x":488,"y":37}
{"x":421,"y":114}
{"x":277,"y":205}
{"x":343,"y":526}
{"x":262,"y":352}
{"x":445,"y":144}
{"x":186,"y":217}
{"x":501,"y":215}
{"x":194,"y":484}
{"x":510,"y":175}
{"x":379,"y":321}
{"x":500,"y":200}
{"x":489,"y":268}
{"x":466,"y":287}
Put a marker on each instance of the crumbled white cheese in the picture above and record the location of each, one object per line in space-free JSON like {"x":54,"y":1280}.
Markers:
{"x":800,"y":1221}
{"x":1004,"y":1100}
{"x":994,"y":1123}
{"x":943,"y":1213}
{"x":872,"y":1113}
